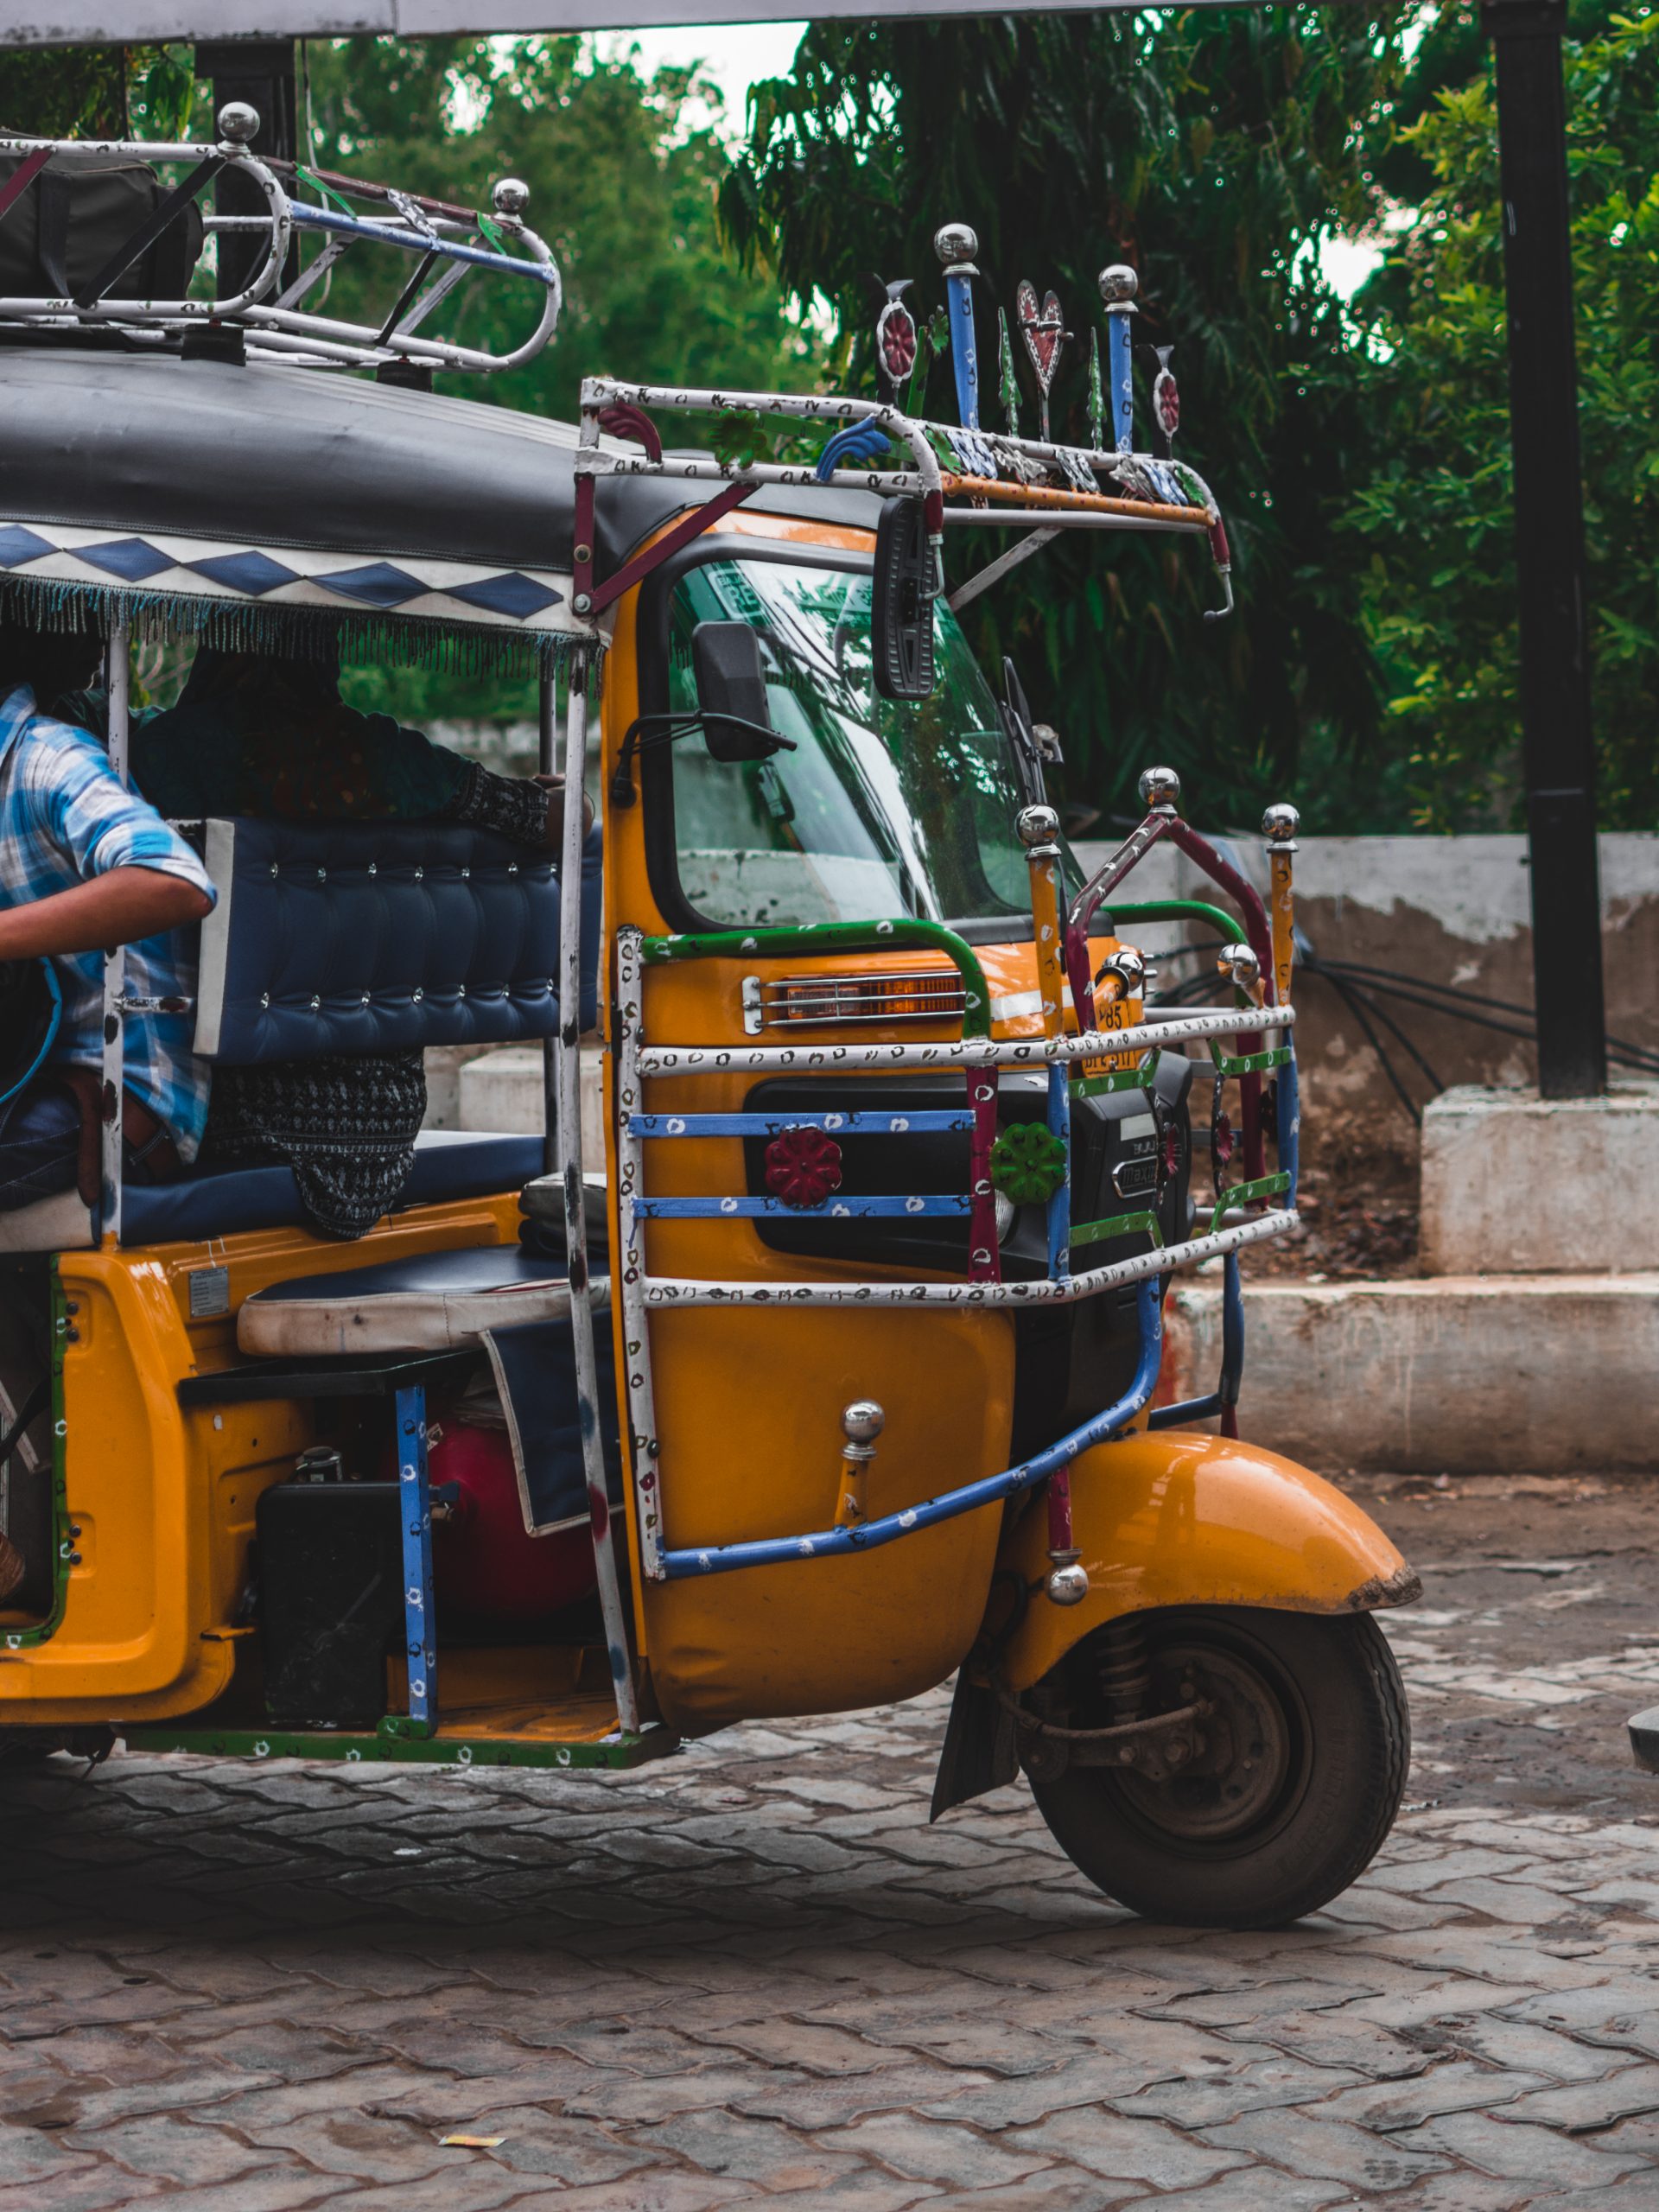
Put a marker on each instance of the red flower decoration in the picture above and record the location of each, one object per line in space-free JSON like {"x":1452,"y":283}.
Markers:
{"x":802,"y":1167}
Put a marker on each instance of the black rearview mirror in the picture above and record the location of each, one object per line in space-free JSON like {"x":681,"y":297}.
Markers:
{"x":901,"y":610}
{"x":732,"y":693}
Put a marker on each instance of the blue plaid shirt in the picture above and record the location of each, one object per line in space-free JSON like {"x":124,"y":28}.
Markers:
{"x":65,"y":818}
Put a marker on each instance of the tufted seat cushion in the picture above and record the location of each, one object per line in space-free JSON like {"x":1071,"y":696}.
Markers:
{"x":355,"y":936}
{"x":437,"y":1301}
{"x":448,"y":1164}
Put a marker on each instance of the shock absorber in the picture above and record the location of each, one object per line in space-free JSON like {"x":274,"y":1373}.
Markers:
{"x":1125,"y":1674}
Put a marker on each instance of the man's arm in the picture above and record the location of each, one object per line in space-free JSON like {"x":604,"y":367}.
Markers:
{"x":115,"y":908}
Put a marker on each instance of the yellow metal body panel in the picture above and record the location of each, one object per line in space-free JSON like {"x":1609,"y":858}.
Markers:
{"x":164,"y":1496}
{"x":1178,"y":1518}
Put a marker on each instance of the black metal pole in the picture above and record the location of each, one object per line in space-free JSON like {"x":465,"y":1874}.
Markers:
{"x":259,"y":71}
{"x":1555,"y":727}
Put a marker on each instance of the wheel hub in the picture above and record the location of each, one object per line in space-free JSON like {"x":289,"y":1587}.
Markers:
{"x":1240,"y":1754}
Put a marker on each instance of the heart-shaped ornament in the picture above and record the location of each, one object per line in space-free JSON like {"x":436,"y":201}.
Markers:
{"x":1043,"y":328}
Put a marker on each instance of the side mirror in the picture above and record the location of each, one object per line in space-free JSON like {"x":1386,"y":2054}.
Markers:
{"x":901,"y":613}
{"x":732,"y":693}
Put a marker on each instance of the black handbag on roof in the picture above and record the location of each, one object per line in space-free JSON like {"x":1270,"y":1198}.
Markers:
{"x":70,"y":223}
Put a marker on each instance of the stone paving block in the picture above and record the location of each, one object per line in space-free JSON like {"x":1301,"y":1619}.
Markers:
{"x":1129,"y":2150}
{"x":173,"y":2149}
{"x":1451,"y":2084}
{"x":1236,"y":2007}
{"x":1536,"y":2155}
{"x":1326,"y":2150}
{"x":937,"y":2151}
{"x":88,"y":2187}
{"x":817,"y":2049}
{"x":1082,"y":2080}
{"x":1526,"y":2047}
{"x":1341,"y":2039}
{"x":1060,"y":2188}
{"x":574,"y":2154}
{"x":771,"y":2157}
{"x":1217,"y":2098}
{"x":1462,"y":2191}
{"x":1263,"y":2188}
{"x":1583,"y":2108}
{"x":825,"y":2102}
{"x":288,"y":2190}
{"x":1523,"y":1904}
{"x":1422,"y":1999}
{"x":31,"y":2154}
{"x":362,"y":2147}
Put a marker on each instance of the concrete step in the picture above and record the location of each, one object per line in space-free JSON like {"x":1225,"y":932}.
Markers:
{"x":1448,"y":1373}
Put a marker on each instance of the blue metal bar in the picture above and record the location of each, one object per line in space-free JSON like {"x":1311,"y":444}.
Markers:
{"x":760,"y":1125}
{"x":307,"y":217}
{"x":964,"y":359}
{"x":1187,"y":1410}
{"x":775,"y":1551}
{"x":833,"y":1210}
{"x":415,"y":1503}
{"x":1059,"y":1206}
{"x":1232,"y":1333}
{"x":1290,"y":1124}
{"x":1119,"y":397}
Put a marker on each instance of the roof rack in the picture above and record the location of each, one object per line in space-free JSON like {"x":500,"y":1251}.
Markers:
{"x":445,"y":244}
{"x":1000,"y":480}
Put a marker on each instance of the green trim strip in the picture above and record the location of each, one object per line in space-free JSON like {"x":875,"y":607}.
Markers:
{"x":63,"y":1544}
{"x":1265,"y":1186}
{"x":1122,"y":1225}
{"x":1094,"y":1086}
{"x":324,"y":1743}
{"x":837,"y":937}
{"x":1176,"y":910}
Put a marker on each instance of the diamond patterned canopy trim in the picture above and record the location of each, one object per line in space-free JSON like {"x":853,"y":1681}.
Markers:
{"x":134,"y":559}
{"x":164,"y":568}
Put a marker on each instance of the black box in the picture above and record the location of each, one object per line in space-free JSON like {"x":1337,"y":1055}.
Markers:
{"x":331,"y":1600}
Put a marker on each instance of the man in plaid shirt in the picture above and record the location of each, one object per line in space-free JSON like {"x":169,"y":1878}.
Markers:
{"x":85,"y":863}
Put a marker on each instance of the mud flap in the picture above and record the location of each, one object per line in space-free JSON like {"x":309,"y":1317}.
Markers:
{"x":979,"y":1750}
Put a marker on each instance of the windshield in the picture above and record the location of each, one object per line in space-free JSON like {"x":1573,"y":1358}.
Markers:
{"x":884,"y":809}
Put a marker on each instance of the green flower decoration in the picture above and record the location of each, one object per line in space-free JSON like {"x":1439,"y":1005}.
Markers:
{"x":1028,"y":1164}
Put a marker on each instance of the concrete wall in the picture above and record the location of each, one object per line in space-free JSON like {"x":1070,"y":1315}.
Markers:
{"x":1452,"y":910}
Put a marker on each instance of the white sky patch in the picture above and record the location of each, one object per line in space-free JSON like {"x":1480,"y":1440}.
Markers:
{"x":733,"y":54}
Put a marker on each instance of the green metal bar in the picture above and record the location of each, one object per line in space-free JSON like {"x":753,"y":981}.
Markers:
{"x":1095,"y":1086}
{"x":1176,"y":910}
{"x":838,"y":937}
{"x":1265,"y":1186}
{"x":1121,"y":1224}
{"x":1277,"y":1055}
{"x":420,"y":1750}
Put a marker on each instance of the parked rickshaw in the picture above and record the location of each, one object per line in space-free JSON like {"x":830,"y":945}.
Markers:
{"x":839,"y":1371}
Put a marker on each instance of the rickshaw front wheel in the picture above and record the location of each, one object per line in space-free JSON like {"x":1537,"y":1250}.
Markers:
{"x":1269,"y":1805}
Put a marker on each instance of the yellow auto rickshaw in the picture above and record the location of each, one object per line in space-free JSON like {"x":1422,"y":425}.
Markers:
{"x":837,"y":1371}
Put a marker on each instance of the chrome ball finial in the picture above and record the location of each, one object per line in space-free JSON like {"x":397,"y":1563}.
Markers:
{"x":1160,"y":791}
{"x":1118,"y":282}
{"x":1280,"y":823}
{"x":1127,"y":967}
{"x":863,"y":1422}
{"x":510,"y":196}
{"x":1240,"y":963}
{"x":956,"y":244}
{"x":1038,"y":826}
{"x":238,"y":123}
{"x":1067,"y":1585}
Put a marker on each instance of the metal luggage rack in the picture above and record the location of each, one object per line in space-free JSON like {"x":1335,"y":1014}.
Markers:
{"x":445,"y":244}
{"x":1003,"y":480}
{"x":1101,"y":1051}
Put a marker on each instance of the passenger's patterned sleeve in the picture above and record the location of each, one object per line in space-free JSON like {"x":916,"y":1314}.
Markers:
{"x":513,"y":805}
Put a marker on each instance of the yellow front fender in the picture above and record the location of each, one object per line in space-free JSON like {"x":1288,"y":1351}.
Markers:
{"x":1181,"y":1518}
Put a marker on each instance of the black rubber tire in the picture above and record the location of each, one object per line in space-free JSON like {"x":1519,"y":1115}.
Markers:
{"x":1341,"y":1773}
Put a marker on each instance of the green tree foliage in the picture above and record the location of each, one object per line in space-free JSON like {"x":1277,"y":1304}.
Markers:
{"x":622,"y":170}
{"x":1435,"y":513}
{"x":1212,"y":149}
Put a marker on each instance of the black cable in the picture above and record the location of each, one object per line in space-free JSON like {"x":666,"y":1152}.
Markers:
{"x":1394,"y":1029}
{"x":1637,"y":1053}
{"x":1346,"y":992}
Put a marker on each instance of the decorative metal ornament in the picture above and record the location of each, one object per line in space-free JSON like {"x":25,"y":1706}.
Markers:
{"x":895,"y":339}
{"x":1166,"y":399}
{"x":1118,"y":286}
{"x":1044,"y":333}
{"x":1028,"y":1163}
{"x":1009,"y":388}
{"x":1096,"y":396}
{"x":802,"y":1167}
{"x":1160,"y":791}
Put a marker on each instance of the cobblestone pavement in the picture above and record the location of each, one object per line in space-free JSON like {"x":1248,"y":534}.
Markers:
{"x":755,"y":1973}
